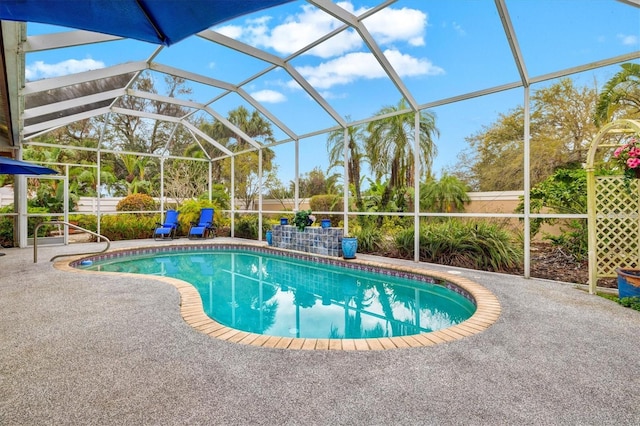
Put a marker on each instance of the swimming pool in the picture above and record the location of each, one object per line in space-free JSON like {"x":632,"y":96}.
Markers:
{"x":252,"y":292}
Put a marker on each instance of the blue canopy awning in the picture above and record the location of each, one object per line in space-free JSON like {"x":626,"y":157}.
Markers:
{"x":155,"y":21}
{"x":9,"y":166}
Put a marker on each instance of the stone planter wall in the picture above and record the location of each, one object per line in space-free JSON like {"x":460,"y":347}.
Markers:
{"x":326,"y":241}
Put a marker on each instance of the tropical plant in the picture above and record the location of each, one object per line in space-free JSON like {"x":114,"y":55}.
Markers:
{"x":246,"y":226}
{"x":302,"y":219}
{"x":390,"y":144}
{"x":128,"y":227}
{"x":446,"y":195}
{"x":369,"y":237}
{"x":135,"y":178}
{"x":356,"y":155}
{"x":246,"y":163}
{"x":469,"y":244}
{"x":190,"y":212}
{"x":620,"y":97}
{"x":564,"y":192}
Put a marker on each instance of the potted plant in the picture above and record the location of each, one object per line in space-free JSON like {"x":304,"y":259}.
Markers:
{"x":302,"y":219}
{"x":628,"y":156}
{"x":349,"y":247}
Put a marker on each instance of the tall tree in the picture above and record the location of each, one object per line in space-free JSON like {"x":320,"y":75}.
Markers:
{"x":315,"y":183}
{"x":620,"y":97}
{"x":390,"y":144}
{"x":561,"y":128}
{"x":355,"y":147}
{"x":247,"y":160}
{"x":137,"y":134}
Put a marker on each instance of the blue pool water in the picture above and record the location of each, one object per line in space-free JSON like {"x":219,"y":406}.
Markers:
{"x":281,"y":296}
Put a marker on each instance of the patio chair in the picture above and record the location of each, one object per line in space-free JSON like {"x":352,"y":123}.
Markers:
{"x":203,"y":228}
{"x":168,"y":229}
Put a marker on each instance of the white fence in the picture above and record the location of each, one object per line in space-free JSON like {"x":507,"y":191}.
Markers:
{"x":503,"y":202}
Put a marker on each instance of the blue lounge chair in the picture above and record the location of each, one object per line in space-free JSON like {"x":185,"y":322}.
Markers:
{"x":168,"y":229}
{"x":203,"y":228}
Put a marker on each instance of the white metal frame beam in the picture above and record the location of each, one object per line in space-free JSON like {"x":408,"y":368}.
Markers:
{"x":513,"y":41}
{"x":354,"y":22}
{"x":38,"y":43}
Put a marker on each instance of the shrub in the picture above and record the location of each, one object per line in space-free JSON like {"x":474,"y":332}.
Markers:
{"x":137,"y":202}
{"x":85,"y":221}
{"x":246,"y":226}
{"x":469,"y":244}
{"x":128,"y":226}
{"x":6,"y":227}
{"x":404,"y":241}
{"x":327,"y":203}
{"x":190,"y":212}
{"x":369,"y":238}
{"x":563,"y":192}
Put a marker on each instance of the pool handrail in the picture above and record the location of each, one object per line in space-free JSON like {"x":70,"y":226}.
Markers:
{"x":61,"y":222}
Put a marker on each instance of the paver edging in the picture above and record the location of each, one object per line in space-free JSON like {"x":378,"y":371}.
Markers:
{"x":488,"y":311}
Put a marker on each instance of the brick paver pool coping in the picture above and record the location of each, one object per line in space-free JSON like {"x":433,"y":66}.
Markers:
{"x":487,"y":312}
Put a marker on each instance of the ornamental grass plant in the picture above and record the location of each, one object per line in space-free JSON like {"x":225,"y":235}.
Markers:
{"x":469,"y":244}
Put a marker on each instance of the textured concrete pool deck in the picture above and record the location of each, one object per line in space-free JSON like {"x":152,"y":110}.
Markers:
{"x":87,"y":349}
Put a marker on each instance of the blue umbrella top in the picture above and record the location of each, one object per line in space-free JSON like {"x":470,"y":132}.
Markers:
{"x":16,"y":167}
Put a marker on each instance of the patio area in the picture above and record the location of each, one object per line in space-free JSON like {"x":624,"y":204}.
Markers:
{"x":116,"y":351}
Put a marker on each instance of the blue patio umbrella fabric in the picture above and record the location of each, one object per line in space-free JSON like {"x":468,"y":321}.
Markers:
{"x":155,"y":21}
{"x":17,"y":167}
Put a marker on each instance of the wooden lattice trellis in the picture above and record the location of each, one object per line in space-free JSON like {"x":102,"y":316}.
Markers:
{"x":613,"y":210}
{"x":617,"y":233}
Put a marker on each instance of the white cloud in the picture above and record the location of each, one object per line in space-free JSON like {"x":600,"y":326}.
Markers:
{"x":409,"y":66}
{"x":345,"y":59}
{"x":39,"y":69}
{"x":268,"y":96}
{"x":458,"y":28}
{"x":628,"y":40}
{"x":302,"y":29}
{"x":231,"y":31}
{"x":393,"y":25}
{"x":360,"y":65}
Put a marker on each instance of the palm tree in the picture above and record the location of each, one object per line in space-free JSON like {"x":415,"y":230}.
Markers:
{"x":390,"y":147}
{"x":446,"y":195}
{"x":335,"y":148}
{"x":390,"y":144}
{"x":135,"y":173}
{"x":620,"y":95}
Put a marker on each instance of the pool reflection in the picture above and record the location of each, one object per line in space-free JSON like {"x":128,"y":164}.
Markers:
{"x":283,"y":297}
{"x":280,"y":296}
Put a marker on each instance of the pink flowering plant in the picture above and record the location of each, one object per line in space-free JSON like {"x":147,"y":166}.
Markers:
{"x":628,"y":156}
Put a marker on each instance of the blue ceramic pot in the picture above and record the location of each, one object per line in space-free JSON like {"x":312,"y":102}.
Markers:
{"x":269,"y":237}
{"x":284,"y":221}
{"x":326,"y":223}
{"x":349,"y":247}
{"x":628,"y":282}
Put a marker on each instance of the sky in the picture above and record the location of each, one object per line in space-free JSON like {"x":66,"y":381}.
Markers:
{"x":440,"y":50}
